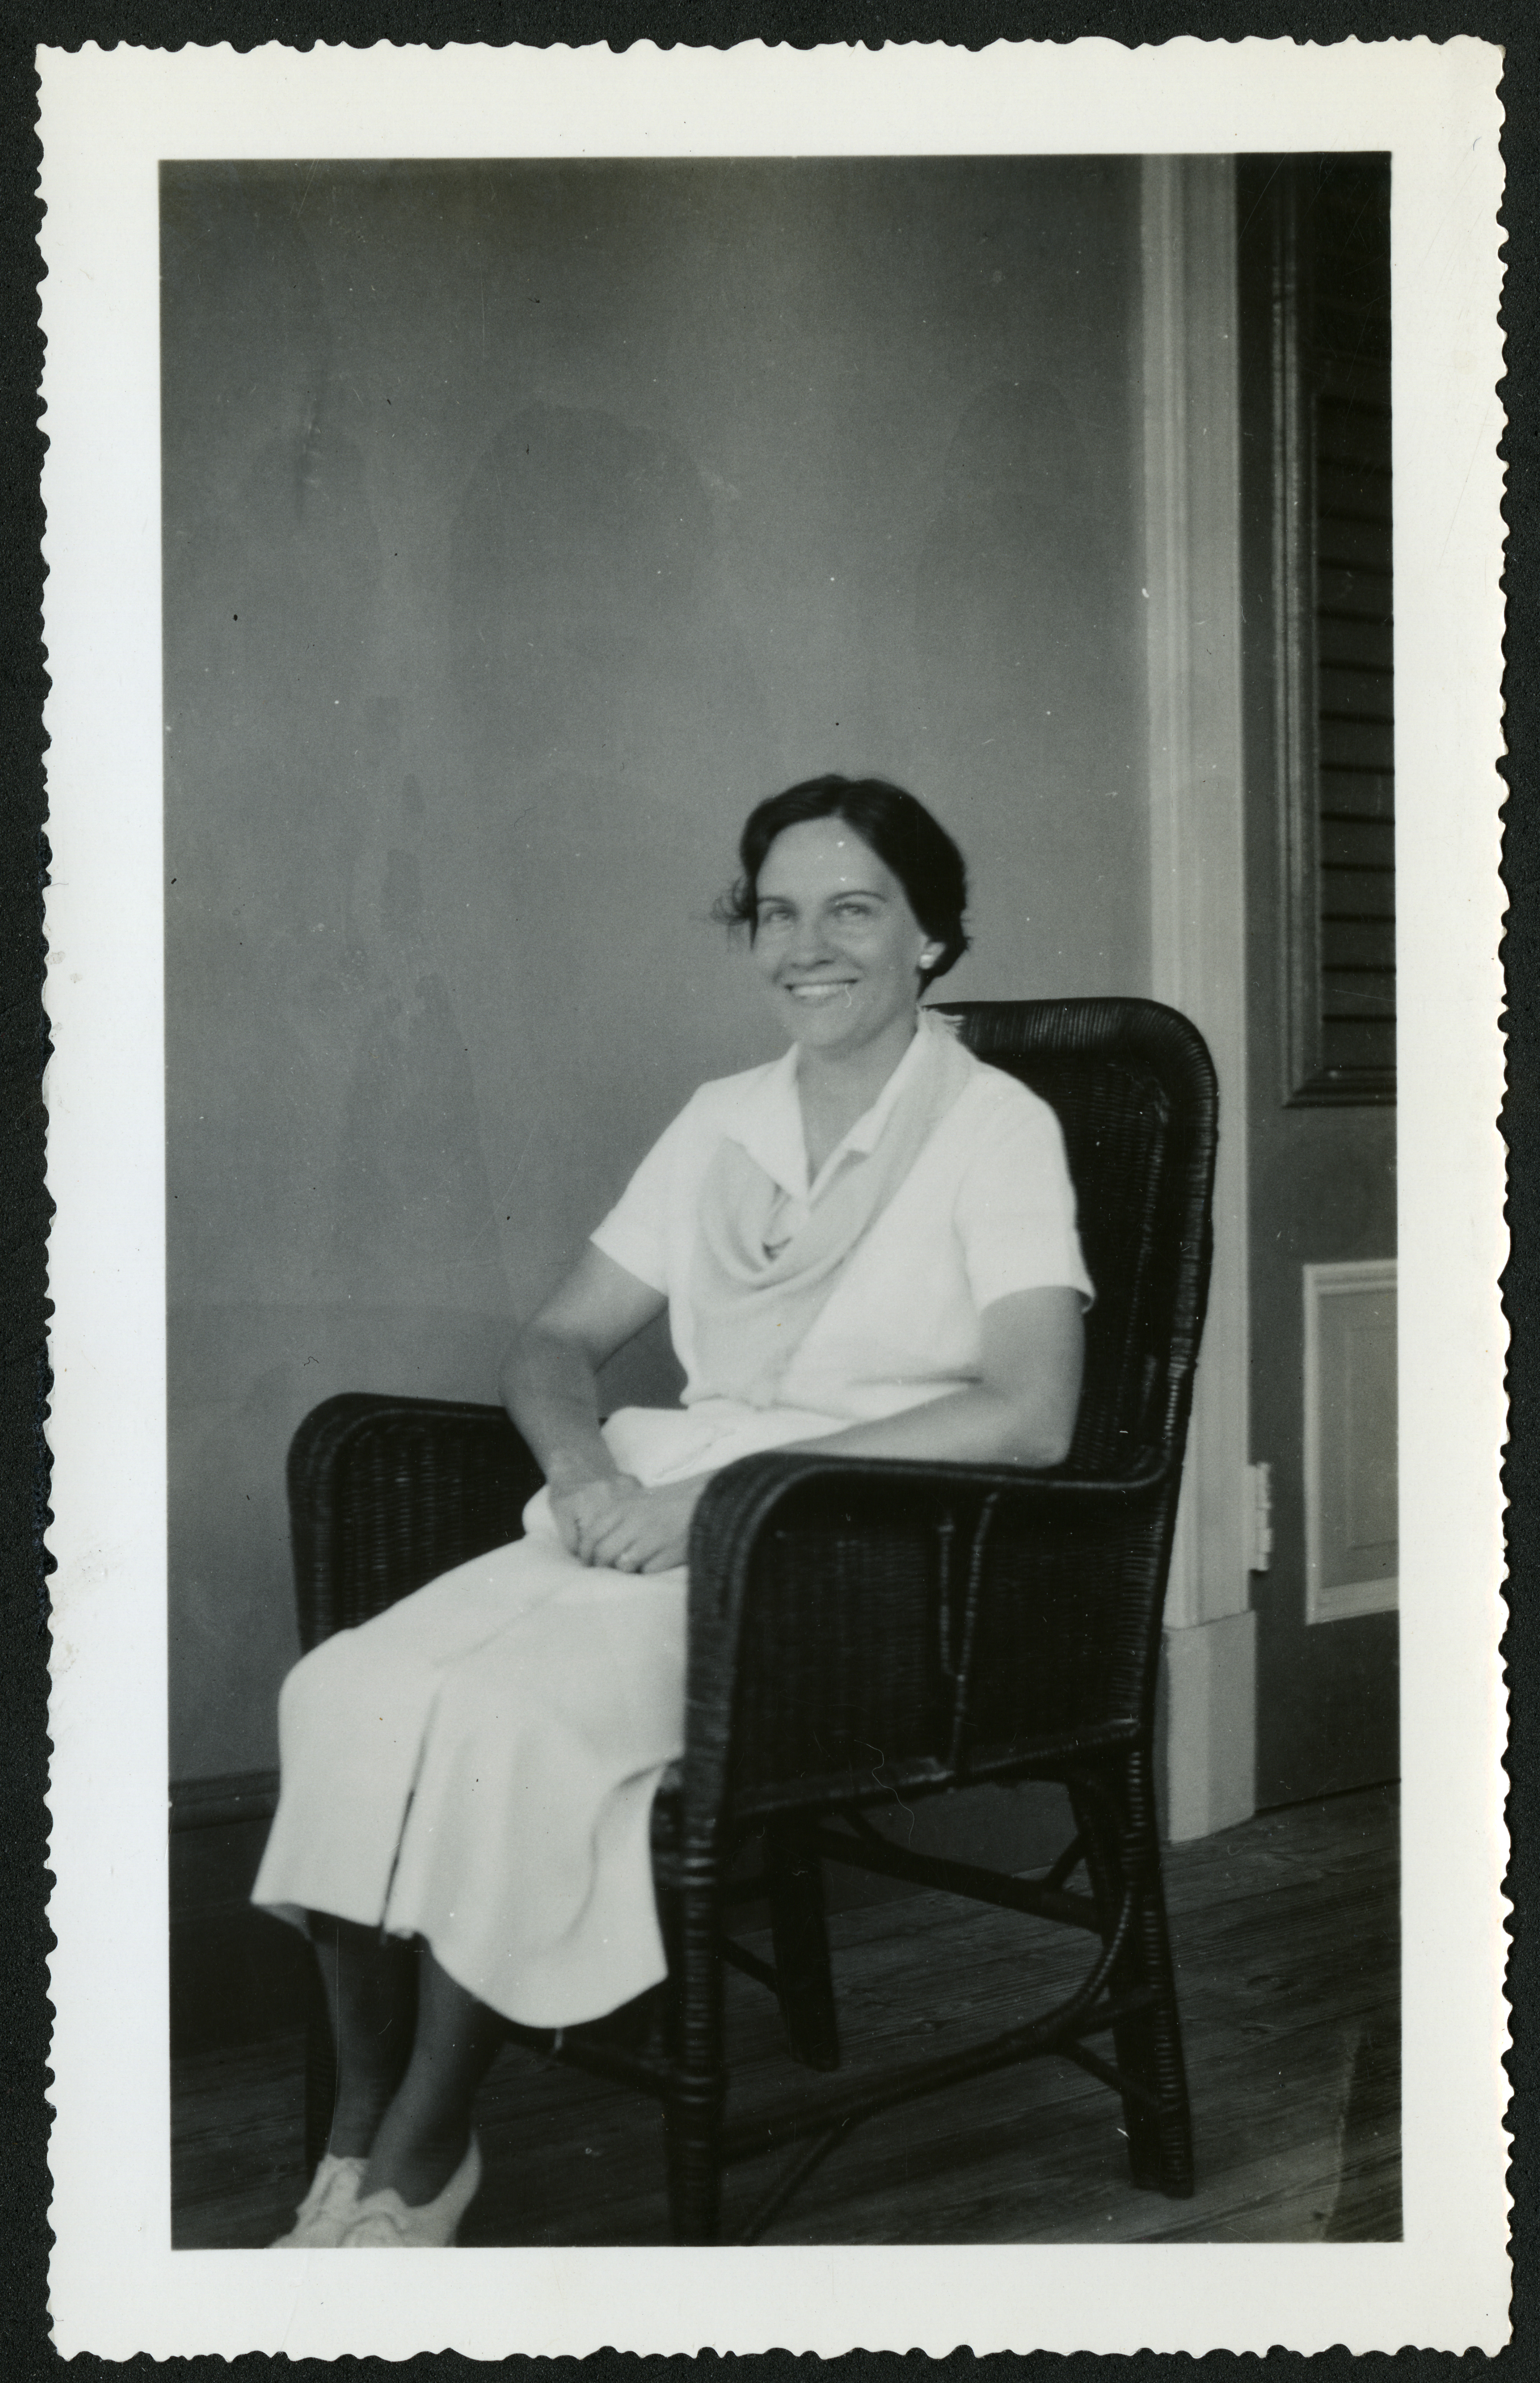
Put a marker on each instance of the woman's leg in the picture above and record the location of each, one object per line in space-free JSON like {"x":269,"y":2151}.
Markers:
{"x":423,"y":2136}
{"x":371,"y":1985}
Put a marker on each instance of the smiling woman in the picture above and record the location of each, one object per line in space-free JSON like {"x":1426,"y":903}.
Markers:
{"x":854,"y":896}
{"x":870,"y":1243}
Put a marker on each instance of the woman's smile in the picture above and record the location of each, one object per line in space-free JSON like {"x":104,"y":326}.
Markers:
{"x":821,"y":989}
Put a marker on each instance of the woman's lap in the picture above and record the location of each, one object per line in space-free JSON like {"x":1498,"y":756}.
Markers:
{"x":476,"y":1766}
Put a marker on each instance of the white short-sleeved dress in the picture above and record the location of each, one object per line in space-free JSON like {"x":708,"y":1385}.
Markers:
{"x":477,"y":1765}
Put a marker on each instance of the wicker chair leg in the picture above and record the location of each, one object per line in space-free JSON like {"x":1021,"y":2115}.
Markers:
{"x":1148,"y":2048}
{"x":697,"y":2091}
{"x":693,"y":2129}
{"x":1155,"y":2049}
{"x":794,"y":1879}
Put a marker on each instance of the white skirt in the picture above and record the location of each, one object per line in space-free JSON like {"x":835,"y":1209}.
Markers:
{"x":476,"y":1766}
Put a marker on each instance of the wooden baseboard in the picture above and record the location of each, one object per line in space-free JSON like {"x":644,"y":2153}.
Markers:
{"x":237,"y":1974}
{"x":234,"y":1796}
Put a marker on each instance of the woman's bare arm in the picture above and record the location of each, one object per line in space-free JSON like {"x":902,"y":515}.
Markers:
{"x":549,"y":1376}
{"x":1020,"y":1412}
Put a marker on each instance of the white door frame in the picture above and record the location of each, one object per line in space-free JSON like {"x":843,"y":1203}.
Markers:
{"x":1197,"y":929}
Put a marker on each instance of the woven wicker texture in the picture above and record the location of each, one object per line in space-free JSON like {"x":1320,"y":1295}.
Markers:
{"x":385,"y":1494}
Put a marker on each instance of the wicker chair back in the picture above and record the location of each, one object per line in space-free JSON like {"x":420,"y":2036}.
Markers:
{"x":1132,"y":1087}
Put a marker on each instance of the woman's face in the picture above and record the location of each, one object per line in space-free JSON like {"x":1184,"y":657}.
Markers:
{"x":835,"y":939}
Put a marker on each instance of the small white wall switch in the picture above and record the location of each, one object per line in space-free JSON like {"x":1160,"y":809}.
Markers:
{"x":1259,"y":1517}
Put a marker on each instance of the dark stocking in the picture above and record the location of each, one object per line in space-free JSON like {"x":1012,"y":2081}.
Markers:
{"x":371,"y":1983}
{"x":423,"y":2136}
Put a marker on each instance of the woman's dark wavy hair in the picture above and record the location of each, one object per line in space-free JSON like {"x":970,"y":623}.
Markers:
{"x":899,"y":830}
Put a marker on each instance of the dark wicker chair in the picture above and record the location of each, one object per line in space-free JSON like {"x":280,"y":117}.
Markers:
{"x":974,"y":1622}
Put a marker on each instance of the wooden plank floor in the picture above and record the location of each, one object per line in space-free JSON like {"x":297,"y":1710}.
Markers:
{"x":1287,"y":1944}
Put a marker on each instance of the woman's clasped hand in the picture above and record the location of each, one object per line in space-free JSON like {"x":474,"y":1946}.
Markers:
{"x":616,"y":1521}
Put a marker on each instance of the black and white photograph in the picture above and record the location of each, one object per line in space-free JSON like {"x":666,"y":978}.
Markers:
{"x":786,"y":1249}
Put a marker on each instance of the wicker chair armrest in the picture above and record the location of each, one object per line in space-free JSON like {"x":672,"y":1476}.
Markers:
{"x":746,"y":1498}
{"x":942,"y":1617}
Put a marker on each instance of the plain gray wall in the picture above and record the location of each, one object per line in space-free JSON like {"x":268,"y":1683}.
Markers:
{"x":525,"y":523}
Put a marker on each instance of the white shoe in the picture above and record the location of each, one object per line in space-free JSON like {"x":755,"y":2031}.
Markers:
{"x":382,"y":2221}
{"x":326,"y":2211}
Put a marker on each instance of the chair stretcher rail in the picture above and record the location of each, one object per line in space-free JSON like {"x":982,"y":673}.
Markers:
{"x":1038,"y":1899}
{"x":830,"y":2113}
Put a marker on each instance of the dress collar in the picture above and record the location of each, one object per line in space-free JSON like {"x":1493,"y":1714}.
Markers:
{"x":768,"y":1125}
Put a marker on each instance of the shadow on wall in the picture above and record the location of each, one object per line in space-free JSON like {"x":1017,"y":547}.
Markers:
{"x":609,"y":725}
{"x":299,"y":958}
{"x":585,"y":557}
{"x":607,"y":722}
{"x":409,"y":1170}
